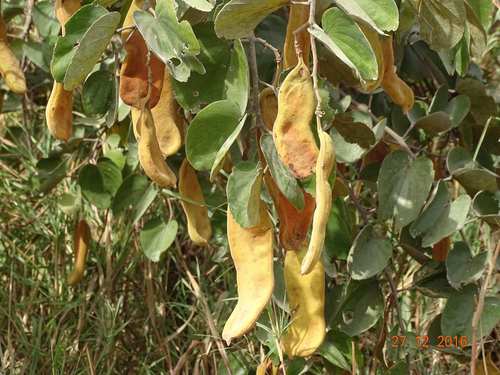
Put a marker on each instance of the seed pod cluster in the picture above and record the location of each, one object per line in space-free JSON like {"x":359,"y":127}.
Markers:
{"x":81,"y":243}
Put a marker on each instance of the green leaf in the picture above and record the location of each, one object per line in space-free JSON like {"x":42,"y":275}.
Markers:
{"x":435,"y":123}
{"x":435,"y":285}
{"x":435,"y":207}
{"x":237,"y":81}
{"x":487,"y":207}
{"x":170,"y":39}
{"x":284,"y":179}
{"x":482,"y":105}
{"x":403,"y":187}
{"x":440,"y":100}
{"x":354,"y":131}
{"x":70,"y":203}
{"x":99,"y":183}
{"x":342,"y":36}
{"x":49,"y":172}
{"x":129,"y":193}
{"x":221,"y":154}
{"x":332,"y":354}
{"x":97,"y":93}
{"x":451,"y":220}
{"x":369,"y":253}
{"x":382,"y":15}
{"x":458,"y":108}
{"x":243,"y":193}
{"x":156,"y":237}
{"x":339,"y":230}
{"x":463,"y":268}
{"x":144,"y":202}
{"x":238,"y":18}
{"x":88,"y":32}
{"x":44,"y":20}
{"x":203,"y":5}
{"x":208,"y":132}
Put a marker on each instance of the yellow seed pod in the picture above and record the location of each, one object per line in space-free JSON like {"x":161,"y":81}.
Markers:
{"x":81,"y":244}
{"x":199,"y":227}
{"x":299,"y":15}
{"x":324,"y":167}
{"x":306,"y":298}
{"x":10,"y":69}
{"x":150,"y":156}
{"x":252,"y":254}
{"x":268,"y":107}
{"x":400,"y":93}
{"x":58,"y":113}
{"x":167,"y":119}
{"x":292,"y":132}
{"x":64,"y":10}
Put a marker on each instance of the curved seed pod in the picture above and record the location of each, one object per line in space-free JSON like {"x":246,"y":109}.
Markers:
{"x":299,"y":15}
{"x":292,"y":132}
{"x":81,"y":245}
{"x":134,"y":70}
{"x":199,"y":227}
{"x":150,"y":156}
{"x":64,"y":9}
{"x":293,"y":223}
{"x":324,"y":167}
{"x":167,"y":119}
{"x":306,"y":298}
{"x":10,"y":69}
{"x":252,"y":253}
{"x":58,"y":113}
{"x":135,"y":114}
{"x":268,"y":107}
{"x":400,"y":93}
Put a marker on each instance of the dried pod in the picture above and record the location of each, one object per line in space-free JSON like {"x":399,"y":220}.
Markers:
{"x":440,"y":250}
{"x":199,"y":227}
{"x":10,"y":68}
{"x":306,"y":298}
{"x":134,"y":70}
{"x":252,"y":254}
{"x":299,"y":16}
{"x":81,"y":245}
{"x":268,"y":107}
{"x":400,"y":93}
{"x":324,"y":167}
{"x":149,"y":152}
{"x":59,"y":112}
{"x":64,"y":9}
{"x":292,"y":132}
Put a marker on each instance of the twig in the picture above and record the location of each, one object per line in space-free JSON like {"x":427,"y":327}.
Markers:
{"x":277,"y":58}
{"x":483,"y":134}
{"x":314,"y":51}
{"x":27,"y":21}
{"x":480,"y":305}
{"x":399,"y":140}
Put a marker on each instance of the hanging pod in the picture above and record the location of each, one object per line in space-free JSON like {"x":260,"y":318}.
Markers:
{"x":292,"y":132}
{"x":252,"y":254}
{"x":268,"y":107}
{"x":298,"y":16}
{"x":397,"y":89}
{"x":306,"y":298}
{"x":81,"y":243}
{"x":10,"y":69}
{"x":199,"y":227}
{"x":324,"y":167}
{"x":134,"y":71}
{"x":150,"y":155}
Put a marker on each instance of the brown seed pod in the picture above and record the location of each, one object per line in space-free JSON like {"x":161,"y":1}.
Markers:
{"x":440,"y":250}
{"x":150,"y":156}
{"x":58,"y":113}
{"x":81,"y":245}
{"x":400,"y":93}
{"x":10,"y":68}
{"x":268,"y":107}
{"x":292,"y":132}
{"x":134,"y":70}
{"x":64,"y":9}
{"x":299,"y":15}
{"x":252,"y":254}
{"x":199,"y":227}
{"x":324,"y":167}
{"x":306,"y":298}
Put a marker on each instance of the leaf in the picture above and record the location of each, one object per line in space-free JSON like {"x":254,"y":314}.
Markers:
{"x":403,"y":187}
{"x":440,"y":197}
{"x":462,"y":268}
{"x":219,"y":119}
{"x":440,"y":100}
{"x":44,"y":20}
{"x":458,"y":108}
{"x":88,"y":32}
{"x":144,"y":203}
{"x":354,"y":131}
{"x":435,"y":123}
{"x":221,"y":154}
{"x":129,"y":193}
{"x":243,"y":193}
{"x":97,"y":93}
{"x":342,"y":36}
{"x":238,"y":18}
{"x":156,"y":237}
{"x":435,"y":285}
{"x":237,"y":81}
{"x":382,"y":15}
{"x":487,"y":207}
{"x":482,"y":105}
{"x":451,"y":220}
{"x":99,"y":183}
{"x":49,"y":172}
{"x":332,"y":354}
{"x":203,"y":5}
{"x":441,"y":22}
{"x":369,"y":254}
{"x":170,"y":39}
{"x":284,"y":179}
{"x":339,"y":231}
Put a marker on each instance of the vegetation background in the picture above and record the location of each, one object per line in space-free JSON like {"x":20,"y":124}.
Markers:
{"x":141,"y":312}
